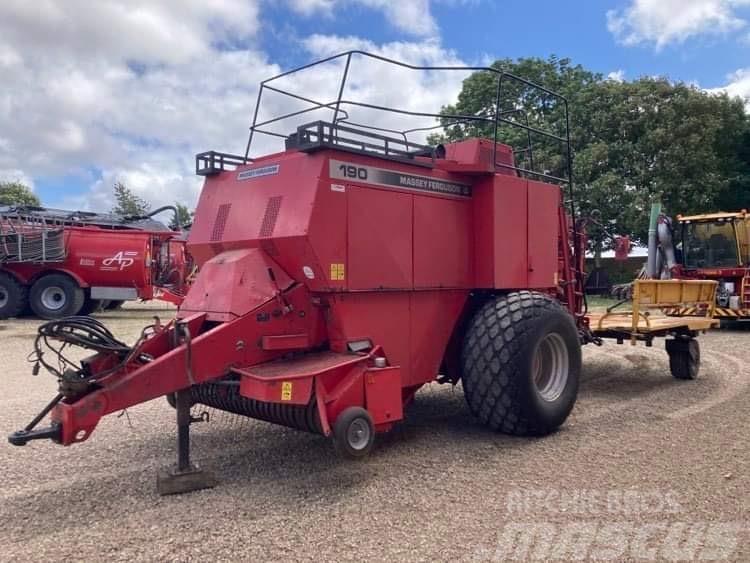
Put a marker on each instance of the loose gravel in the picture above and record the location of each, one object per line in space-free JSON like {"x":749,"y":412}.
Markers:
{"x":644,"y":456}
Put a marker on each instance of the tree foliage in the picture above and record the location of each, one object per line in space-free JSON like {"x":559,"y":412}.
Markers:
{"x":128,"y":203}
{"x":16,"y":193}
{"x":632,"y":141}
{"x":184,"y":217}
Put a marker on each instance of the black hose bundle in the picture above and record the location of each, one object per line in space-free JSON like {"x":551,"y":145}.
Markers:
{"x":83,"y":332}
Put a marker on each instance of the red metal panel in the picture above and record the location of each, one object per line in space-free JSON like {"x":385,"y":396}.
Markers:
{"x":483,"y":220}
{"x":383,"y":394}
{"x":510,"y":236}
{"x":327,"y":234}
{"x":235,"y":282}
{"x":256,"y":210}
{"x":285,"y":391}
{"x":286,"y":342}
{"x":442,"y":242}
{"x":544,"y":206}
{"x":383,"y":317}
{"x":433,"y":315}
{"x":379,"y":225}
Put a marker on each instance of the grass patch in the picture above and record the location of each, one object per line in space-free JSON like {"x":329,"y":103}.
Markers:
{"x":599,"y":302}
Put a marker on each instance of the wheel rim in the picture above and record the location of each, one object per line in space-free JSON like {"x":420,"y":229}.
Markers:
{"x":550,"y":367}
{"x":358,"y":434}
{"x":3,"y":297}
{"x":53,"y":298}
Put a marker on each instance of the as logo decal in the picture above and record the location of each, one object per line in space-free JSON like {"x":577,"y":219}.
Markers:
{"x":120,"y":261}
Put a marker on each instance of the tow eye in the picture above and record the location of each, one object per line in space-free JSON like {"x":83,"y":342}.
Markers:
{"x":52,"y":432}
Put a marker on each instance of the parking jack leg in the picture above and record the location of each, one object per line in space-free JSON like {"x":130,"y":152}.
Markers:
{"x":185,"y":476}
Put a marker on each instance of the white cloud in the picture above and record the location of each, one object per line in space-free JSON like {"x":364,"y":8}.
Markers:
{"x":121,"y":90}
{"x":16,"y":175}
{"x":410,"y":16}
{"x":378,"y":83}
{"x":662,"y":22}
{"x":738,"y":85}
{"x":131,"y":88}
{"x":312,"y":7}
{"x":616,"y":75}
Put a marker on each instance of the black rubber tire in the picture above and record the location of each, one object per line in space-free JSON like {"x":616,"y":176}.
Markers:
{"x":684,"y":358}
{"x":91,"y":306}
{"x":499,"y":350}
{"x":341,"y":436}
{"x":113,"y":305}
{"x":74,"y":296}
{"x":13,"y":296}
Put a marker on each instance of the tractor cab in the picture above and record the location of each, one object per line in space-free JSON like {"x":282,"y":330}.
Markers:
{"x":714,"y":241}
{"x":715,"y":246}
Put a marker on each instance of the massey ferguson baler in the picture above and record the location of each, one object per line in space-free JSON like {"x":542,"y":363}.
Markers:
{"x":341,"y":275}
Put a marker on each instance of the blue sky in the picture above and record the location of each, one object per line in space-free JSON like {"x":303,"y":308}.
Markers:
{"x":129,"y":90}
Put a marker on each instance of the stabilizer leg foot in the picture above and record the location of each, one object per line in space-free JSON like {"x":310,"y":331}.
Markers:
{"x":183,"y":477}
{"x":173,"y":481}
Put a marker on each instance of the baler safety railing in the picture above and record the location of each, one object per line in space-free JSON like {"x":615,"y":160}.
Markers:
{"x":496,"y":119}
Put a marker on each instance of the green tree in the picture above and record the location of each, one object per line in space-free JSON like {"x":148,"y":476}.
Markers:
{"x":184,"y":217}
{"x":16,"y":193}
{"x":128,"y":203}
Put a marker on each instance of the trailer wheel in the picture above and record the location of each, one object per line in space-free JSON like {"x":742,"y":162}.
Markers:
{"x":353,"y":433}
{"x":91,"y":306}
{"x":13,"y":296}
{"x":521,"y":363}
{"x":684,"y":358}
{"x":55,"y":296}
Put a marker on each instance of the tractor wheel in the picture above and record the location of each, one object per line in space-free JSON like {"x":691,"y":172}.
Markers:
{"x":55,"y":296}
{"x":113,"y":305}
{"x":353,"y":433}
{"x":91,"y":306}
{"x":684,"y":358}
{"x":13,"y":296}
{"x":521,"y":363}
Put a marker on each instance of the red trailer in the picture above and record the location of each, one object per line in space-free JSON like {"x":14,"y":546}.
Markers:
{"x":341,"y":275}
{"x":63,"y":263}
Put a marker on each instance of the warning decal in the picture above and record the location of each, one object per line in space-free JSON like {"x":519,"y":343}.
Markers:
{"x":337,"y":272}
{"x":286,"y":390}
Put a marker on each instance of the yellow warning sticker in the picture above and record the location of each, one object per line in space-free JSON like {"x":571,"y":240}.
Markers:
{"x":286,"y":390}
{"x":337,"y":272}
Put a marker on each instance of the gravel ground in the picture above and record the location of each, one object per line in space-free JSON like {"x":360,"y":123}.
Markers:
{"x":645,"y":468}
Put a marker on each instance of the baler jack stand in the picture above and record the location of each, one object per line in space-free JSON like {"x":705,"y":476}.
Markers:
{"x":183,"y":477}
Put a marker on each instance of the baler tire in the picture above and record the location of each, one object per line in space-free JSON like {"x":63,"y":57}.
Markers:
{"x":353,"y":433}
{"x":44,"y":290}
{"x":13,"y":296}
{"x":511,"y":342}
{"x":91,"y":306}
{"x":684,"y":358}
{"x":113,"y":305}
